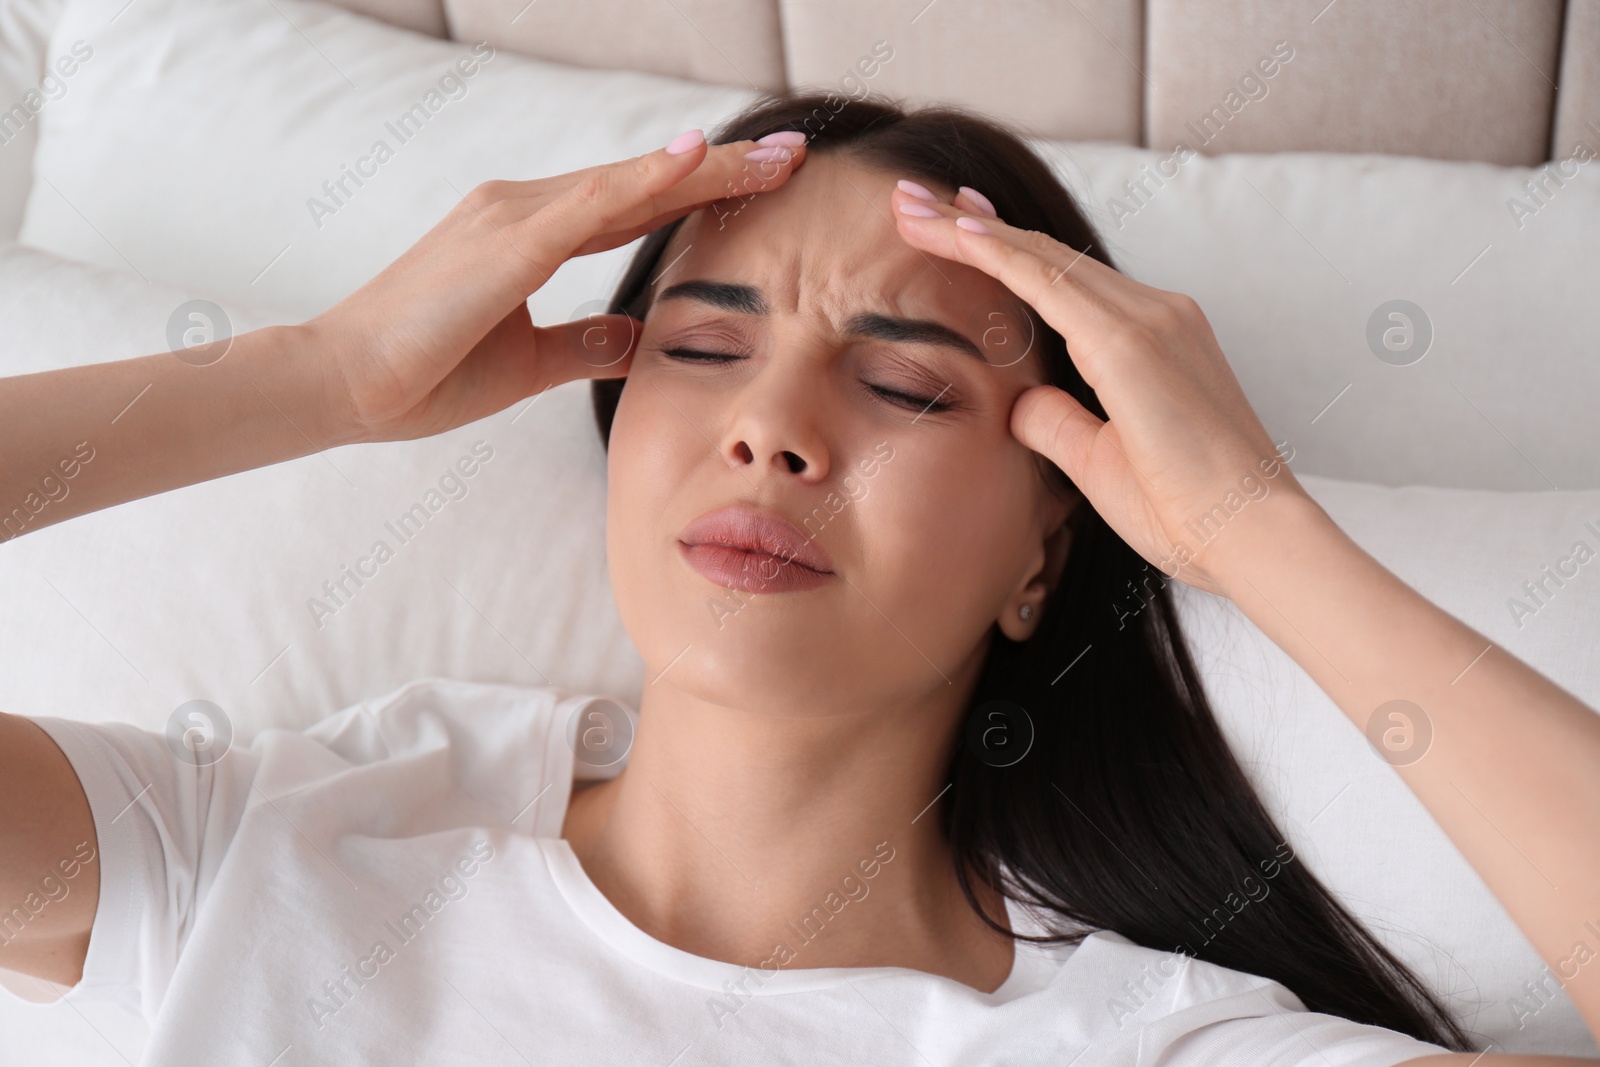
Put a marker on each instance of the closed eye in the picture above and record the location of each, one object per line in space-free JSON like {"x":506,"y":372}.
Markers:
{"x":897,"y":397}
{"x":695,"y":355}
{"x":911,"y":400}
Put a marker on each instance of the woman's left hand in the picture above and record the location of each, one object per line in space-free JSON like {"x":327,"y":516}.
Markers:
{"x":1183,"y":456}
{"x":1507,"y":756}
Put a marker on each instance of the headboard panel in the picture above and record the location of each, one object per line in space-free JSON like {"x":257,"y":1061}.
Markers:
{"x":1445,"y":79}
{"x":702,"y":40}
{"x":424,"y":16}
{"x":1061,"y":70}
{"x":1438,"y":78}
{"x":1578,"y":102}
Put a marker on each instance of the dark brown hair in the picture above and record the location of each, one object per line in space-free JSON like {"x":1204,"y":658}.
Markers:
{"x":1129,"y":811}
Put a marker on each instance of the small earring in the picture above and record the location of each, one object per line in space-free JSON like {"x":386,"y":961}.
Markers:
{"x":1025,"y":612}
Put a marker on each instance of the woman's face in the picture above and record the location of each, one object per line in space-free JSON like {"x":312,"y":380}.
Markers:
{"x":868,"y":401}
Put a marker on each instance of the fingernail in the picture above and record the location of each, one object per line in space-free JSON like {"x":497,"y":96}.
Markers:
{"x":919,"y":191}
{"x":775,"y":154}
{"x":685,"y":142}
{"x":983,"y":202}
{"x":967,"y":222}
{"x":921,"y":211}
{"x":791,"y":138}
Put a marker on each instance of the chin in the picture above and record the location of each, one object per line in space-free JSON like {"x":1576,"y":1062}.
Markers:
{"x":771,"y":657}
{"x":771,"y":674}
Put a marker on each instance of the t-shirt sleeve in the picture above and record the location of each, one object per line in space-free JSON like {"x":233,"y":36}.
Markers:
{"x":166,"y":822}
{"x":1298,"y":1039}
{"x":162,"y":824}
{"x":1262,"y":1024}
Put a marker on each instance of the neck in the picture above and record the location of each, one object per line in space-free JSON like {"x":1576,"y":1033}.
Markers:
{"x":731,"y":833}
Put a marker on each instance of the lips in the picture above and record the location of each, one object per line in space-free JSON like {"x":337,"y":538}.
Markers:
{"x":743,"y":548}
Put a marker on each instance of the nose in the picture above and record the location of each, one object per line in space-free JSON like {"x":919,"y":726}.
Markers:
{"x":777,"y":423}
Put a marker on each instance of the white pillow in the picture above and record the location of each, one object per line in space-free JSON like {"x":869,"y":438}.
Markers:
{"x":220,"y":152}
{"x":60,"y":313}
{"x":25,"y":90}
{"x":217,"y":151}
{"x":1295,"y":258}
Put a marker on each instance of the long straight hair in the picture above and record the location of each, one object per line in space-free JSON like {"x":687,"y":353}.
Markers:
{"x":1128,"y":811}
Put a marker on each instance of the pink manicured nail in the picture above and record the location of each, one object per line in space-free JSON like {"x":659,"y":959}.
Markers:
{"x":789,"y":138}
{"x":685,"y":141}
{"x":919,"y":191}
{"x":983,"y":202}
{"x":921,"y":211}
{"x":967,"y":222}
{"x":775,"y":154}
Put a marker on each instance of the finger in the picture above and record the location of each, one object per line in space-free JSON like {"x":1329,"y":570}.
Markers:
{"x":933,"y":226}
{"x":600,"y":346}
{"x":555,"y":228}
{"x":658,"y":185}
{"x":729,"y":173}
{"x":544,"y":190}
{"x":972,"y":202}
{"x":1094,"y":273}
{"x":701,"y":188}
{"x":736,"y":169}
{"x":967,"y":199}
{"x":1052,"y":423}
{"x":1078,"y":295}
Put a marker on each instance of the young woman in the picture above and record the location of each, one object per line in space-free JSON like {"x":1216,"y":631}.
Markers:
{"x":899,"y":469}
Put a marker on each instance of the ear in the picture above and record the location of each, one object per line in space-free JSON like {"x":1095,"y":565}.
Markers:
{"x":1044,"y":573}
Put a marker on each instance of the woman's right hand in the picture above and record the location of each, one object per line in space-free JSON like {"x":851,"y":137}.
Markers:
{"x":440,"y":338}
{"x":443,"y":337}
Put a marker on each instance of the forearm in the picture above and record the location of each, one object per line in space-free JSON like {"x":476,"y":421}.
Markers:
{"x":84,"y":438}
{"x":1512,"y":771}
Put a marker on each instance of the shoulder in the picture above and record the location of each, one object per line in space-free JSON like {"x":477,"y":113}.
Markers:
{"x":432,"y":713}
{"x":469,"y":752}
{"x":1178,"y":1010}
{"x":473,"y":705}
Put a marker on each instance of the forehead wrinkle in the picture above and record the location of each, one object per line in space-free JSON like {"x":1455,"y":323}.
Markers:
{"x":861,"y":272}
{"x":820,"y":247}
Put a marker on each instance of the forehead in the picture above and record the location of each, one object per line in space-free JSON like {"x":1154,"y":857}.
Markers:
{"x":825,"y":244}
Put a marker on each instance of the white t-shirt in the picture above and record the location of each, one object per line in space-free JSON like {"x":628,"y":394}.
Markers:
{"x":390,"y":887}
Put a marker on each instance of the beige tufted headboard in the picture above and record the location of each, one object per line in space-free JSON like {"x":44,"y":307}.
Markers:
{"x":1448,"y":79}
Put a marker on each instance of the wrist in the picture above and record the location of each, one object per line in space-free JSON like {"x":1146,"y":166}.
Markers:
{"x":1287,"y":529}
{"x":321,"y":389}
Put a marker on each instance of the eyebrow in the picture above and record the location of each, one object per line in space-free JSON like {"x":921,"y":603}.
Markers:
{"x":748,"y":300}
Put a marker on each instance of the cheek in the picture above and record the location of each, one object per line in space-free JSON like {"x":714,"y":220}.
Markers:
{"x":639,"y":479}
{"x":932,"y":542}
{"x":945,"y":537}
